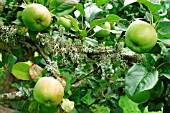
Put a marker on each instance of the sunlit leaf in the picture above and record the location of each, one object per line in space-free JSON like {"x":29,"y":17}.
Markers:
{"x":100,"y":109}
{"x":139,"y":79}
{"x":163,"y":28}
{"x":74,"y":22}
{"x":153,"y":6}
{"x":91,"y":11}
{"x":21,"y":71}
{"x":62,"y":8}
{"x":87,"y":99}
{"x":127,"y":2}
{"x":101,"y":2}
{"x":91,"y":42}
{"x":109,"y":18}
{"x":80,"y":8}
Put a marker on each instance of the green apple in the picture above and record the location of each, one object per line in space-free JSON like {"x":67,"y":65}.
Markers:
{"x":36,"y":17}
{"x":139,"y":97}
{"x":48,"y":91}
{"x":105,"y":31}
{"x":140,"y":36}
{"x":64,"y":22}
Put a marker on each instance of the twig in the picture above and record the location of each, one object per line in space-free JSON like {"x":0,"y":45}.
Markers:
{"x":46,"y":59}
{"x":121,"y":35}
{"x":42,"y":53}
{"x":79,"y":81}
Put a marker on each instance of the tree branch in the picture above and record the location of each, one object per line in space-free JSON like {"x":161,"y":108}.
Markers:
{"x":12,"y":96}
{"x":72,"y":52}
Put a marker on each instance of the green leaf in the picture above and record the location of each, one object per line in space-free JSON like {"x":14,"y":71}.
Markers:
{"x":109,"y":18}
{"x":25,"y":106}
{"x":64,"y":12}
{"x":166,"y":41}
{"x":167,"y":57}
{"x":32,"y":34}
{"x":127,"y":2}
{"x":163,"y":29}
{"x":91,"y":42}
{"x":155,"y":105}
{"x":62,"y":7}
{"x":11,"y":61}
{"x":73,"y":111}
{"x":33,"y":107}
{"x":128,"y":106}
{"x":75,"y":96}
{"x":149,"y":61}
{"x":87,"y":99}
{"x":4,"y":59}
{"x":80,"y":8}
{"x":68,"y":79}
{"x":103,"y":83}
{"x":42,"y":1}
{"x":95,"y":108}
{"x":164,"y":50}
{"x":21,"y":88}
{"x":83,"y":33}
{"x":101,"y":2}
{"x":21,"y":71}
{"x":165,"y":70}
{"x":74,"y":22}
{"x":83,"y":109}
{"x":152,"y":6}
{"x":138,"y":79}
{"x":91,"y":11}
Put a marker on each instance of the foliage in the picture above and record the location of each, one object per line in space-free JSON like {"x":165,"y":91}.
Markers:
{"x":95,"y":72}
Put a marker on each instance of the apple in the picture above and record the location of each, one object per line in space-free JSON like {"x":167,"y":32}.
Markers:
{"x":64,"y":22}
{"x":48,"y":91}
{"x":140,"y":37}
{"x":105,"y":31}
{"x":36,"y":17}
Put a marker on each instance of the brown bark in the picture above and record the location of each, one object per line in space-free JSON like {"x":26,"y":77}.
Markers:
{"x":5,"y":110}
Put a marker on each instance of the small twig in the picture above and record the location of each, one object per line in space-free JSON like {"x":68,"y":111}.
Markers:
{"x":121,"y":35}
{"x":41,"y":52}
{"x":46,"y":59}
{"x":161,"y":65}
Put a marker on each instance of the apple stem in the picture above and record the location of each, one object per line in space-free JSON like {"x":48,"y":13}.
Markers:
{"x":151,"y":18}
{"x":38,"y":21}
